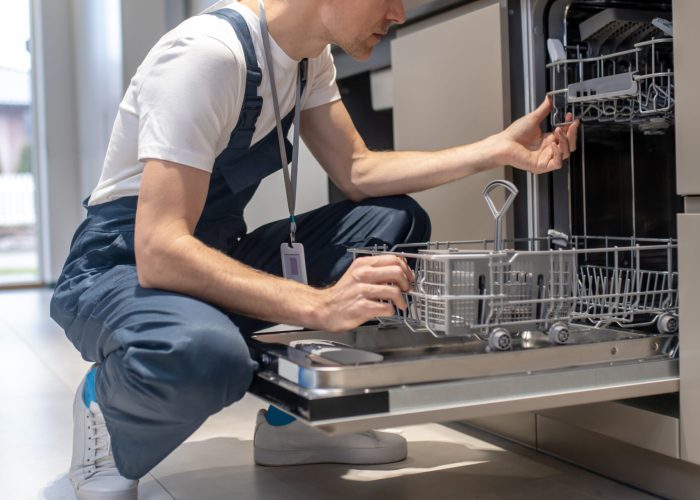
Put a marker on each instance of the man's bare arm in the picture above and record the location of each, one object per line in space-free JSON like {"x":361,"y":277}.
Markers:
{"x":169,"y":257}
{"x":330,"y":134}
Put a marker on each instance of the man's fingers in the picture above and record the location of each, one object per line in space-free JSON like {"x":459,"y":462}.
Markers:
{"x":563,"y":142}
{"x":548,"y":140}
{"x":572,"y":135}
{"x":385,"y":292}
{"x":543,"y":109}
{"x":548,"y":159}
{"x":549,"y":152}
{"x":571,"y":130}
{"x":556,"y":162}
{"x":394,"y":275}
{"x":543,"y":158}
{"x":381,"y":260}
{"x":374,"y":309}
{"x":390,"y":260}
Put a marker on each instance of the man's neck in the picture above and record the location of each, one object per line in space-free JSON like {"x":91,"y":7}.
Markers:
{"x":295,"y":26}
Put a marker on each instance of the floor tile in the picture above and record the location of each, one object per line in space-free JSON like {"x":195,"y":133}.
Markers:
{"x":26,"y":313}
{"x":442,"y":463}
{"x":36,"y":430}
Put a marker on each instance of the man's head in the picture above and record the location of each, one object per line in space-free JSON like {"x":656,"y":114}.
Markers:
{"x":356,"y":26}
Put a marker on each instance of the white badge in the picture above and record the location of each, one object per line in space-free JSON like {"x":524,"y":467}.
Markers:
{"x":294,"y":262}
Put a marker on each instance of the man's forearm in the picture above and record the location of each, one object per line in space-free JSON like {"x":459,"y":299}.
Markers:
{"x":397,"y":172}
{"x":186,"y":265}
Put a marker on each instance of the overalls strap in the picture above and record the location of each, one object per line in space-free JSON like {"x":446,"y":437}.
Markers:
{"x":242,"y":134}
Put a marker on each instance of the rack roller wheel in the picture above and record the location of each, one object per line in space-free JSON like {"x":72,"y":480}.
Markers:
{"x":559,"y":333}
{"x":500,"y":340}
{"x":667,"y":323}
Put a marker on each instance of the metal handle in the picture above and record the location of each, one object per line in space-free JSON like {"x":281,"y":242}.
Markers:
{"x":498,"y":214}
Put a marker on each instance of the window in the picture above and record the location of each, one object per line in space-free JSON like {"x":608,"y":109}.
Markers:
{"x":18,"y":235}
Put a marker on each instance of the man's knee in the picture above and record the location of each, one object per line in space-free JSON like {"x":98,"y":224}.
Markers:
{"x":404,"y":212}
{"x":418,"y":216}
{"x":203,"y":365}
{"x":218,"y":364}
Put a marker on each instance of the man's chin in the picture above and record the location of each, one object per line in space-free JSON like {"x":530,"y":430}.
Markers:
{"x":358,"y":51}
{"x":362,"y":56}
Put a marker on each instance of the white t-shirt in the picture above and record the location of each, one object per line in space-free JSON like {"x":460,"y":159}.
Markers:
{"x":185,"y":99}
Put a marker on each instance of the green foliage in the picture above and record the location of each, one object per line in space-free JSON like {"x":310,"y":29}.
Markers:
{"x":25,"y":161}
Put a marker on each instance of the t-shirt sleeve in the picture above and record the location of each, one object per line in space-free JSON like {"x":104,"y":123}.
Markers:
{"x":322,"y":86}
{"x":189,"y":101}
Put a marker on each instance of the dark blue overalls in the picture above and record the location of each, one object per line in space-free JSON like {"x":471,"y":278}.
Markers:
{"x":168,"y":361}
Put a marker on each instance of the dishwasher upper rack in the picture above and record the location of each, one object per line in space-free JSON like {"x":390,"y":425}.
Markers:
{"x":629,"y":86}
{"x":464,"y":288}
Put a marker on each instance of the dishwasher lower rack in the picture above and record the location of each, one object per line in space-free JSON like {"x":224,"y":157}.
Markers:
{"x":460,"y":290}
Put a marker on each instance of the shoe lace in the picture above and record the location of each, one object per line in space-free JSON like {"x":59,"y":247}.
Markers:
{"x":101,"y":442}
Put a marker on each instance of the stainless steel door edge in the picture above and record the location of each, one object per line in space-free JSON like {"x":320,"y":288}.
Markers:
{"x":411,"y":358}
{"x":338,"y":411}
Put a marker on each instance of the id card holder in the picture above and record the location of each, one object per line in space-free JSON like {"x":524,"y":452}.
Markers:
{"x":294,"y":262}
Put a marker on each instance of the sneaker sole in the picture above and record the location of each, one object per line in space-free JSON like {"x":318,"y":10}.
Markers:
{"x":130,"y":494}
{"x":364,"y":456}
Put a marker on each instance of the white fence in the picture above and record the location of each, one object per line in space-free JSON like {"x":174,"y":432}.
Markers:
{"x":17,"y":200}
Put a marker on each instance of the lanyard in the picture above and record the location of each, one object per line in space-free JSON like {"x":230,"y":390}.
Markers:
{"x":290,"y":182}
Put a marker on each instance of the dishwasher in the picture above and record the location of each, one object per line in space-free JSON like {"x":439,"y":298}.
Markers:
{"x":583,"y":309}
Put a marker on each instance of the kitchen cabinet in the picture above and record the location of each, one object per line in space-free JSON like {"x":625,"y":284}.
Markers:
{"x":448,"y":93}
{"x":686,"y":14}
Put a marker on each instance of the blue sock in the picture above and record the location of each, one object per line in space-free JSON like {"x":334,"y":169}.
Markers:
{"x":89,"y":394}
{"x":277,"y":417}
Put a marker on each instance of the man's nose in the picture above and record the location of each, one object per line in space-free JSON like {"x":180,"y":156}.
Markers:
{"x":397,"y":13}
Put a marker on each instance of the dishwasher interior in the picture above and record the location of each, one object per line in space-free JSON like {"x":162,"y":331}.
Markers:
{"x":585,"y":311}
{"x":611,"y":65}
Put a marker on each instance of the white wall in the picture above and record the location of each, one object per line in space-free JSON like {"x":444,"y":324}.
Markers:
{"x":270,"y":201}
{"x":56,"y":110}
{"x":197,"y":6}
{"x":143,"y":23}
{"x":97,"y":32}
{"x":111,"y":37}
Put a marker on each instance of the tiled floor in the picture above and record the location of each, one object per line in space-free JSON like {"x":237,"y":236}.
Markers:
{"x":39,"y":370}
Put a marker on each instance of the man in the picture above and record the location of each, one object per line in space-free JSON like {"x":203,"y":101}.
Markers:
{"x":162,"y":281}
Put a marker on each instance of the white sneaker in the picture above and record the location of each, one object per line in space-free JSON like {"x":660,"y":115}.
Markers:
{"x":93,"y":472}
{"x":296,"y":444}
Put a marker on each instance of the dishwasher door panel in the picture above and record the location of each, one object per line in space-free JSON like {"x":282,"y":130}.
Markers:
{"x":428,"y":379}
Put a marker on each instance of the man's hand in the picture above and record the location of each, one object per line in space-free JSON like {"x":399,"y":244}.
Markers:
{"x":371,"y":287}
{"x":524,"y":146}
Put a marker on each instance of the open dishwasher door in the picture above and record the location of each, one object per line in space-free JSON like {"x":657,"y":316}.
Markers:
{"x":490,"y":330}
{"x":388,"y":375}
